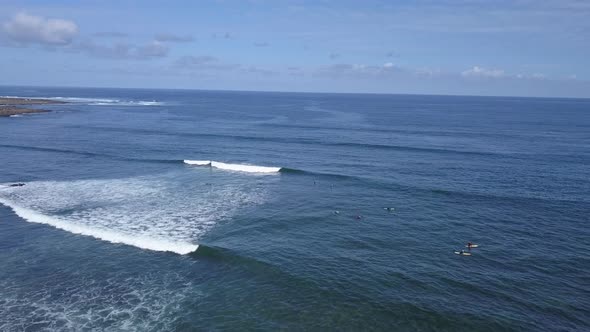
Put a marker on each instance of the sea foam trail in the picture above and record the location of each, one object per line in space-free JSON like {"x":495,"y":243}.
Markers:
{"x":142,"y":242}
{"x":234,"y":167}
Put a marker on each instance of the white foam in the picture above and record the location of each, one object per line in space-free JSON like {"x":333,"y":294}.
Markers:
{"x":81,"y":99}
{"x":97,"y":101}
{"x":234,"y":167}
{"x":245,"y":168}
{"x":117,"y":300}
{"x":162,"y":212}
{"x":198,"y":162}
{"x":127,"y":103}
{"x":149,"y":103}
{"x":102,"y":234}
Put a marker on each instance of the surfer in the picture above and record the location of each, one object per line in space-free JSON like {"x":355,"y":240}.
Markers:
{"x":359,"y":217}
{"x":389,"y":209}
{"x":20,"y":184}
{"x":336,"y":212}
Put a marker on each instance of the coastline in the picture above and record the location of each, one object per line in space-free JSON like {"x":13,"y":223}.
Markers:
{"x":14,"y":106}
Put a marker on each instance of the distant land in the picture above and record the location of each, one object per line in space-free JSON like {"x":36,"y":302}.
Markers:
{"x":14,"y":106}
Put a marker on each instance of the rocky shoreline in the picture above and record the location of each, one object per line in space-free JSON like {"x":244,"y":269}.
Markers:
{"x":16,"y":106}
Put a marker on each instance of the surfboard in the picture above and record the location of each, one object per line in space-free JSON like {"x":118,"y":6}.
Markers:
{"x":463,"y":254}
{"x":473,"y":246}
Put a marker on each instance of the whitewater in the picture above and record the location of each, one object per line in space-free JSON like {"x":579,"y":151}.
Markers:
{"x":233,"y":167}
{"x":148,"y":212}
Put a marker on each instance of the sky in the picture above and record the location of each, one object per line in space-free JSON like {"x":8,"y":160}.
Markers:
{"x":464,"y":47}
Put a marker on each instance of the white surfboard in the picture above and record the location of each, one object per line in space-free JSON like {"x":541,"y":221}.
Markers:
{"x":463,"y":254}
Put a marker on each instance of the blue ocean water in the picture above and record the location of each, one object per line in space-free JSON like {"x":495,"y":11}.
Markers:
{"x":113,"y":231}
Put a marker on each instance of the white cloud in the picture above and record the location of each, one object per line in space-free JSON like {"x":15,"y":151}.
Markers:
{"x":386,"y":70}
{"x":483,"y":72}
{"x":26,"y":29}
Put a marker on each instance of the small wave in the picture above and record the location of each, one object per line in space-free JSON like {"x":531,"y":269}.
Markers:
{"x":234,"y":167}
{"x":83,"y":100}
{"x":89,"y":154}
{"x":261,"y":169}
{"x":142,"y":242}
{"x":44,"y":149}
{"x":316,"y":174}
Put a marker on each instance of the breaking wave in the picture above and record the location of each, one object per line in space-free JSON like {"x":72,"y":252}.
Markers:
{"x":161,"y":213}
{"x":234,"y":167}
{"x":102,"y":234}
{"x":98,"y":101}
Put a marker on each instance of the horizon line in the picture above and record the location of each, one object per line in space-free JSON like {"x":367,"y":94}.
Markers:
{"x":295,"y":92}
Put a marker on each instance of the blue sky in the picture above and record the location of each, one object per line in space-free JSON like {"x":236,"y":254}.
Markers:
{"x":475,"y":47}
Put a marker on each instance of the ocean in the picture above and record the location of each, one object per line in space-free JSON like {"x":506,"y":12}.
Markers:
{"x":179,"y":210}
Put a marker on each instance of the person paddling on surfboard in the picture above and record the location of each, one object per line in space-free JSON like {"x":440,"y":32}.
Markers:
{"x":469,"y":245}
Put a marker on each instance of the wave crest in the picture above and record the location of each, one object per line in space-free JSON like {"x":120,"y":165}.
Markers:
{"x":234,"y":167}
{"x":142,"y":242}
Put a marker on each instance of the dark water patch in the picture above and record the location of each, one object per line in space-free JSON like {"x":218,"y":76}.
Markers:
{"x":45,"y":149}
{"x":228,"y":256}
